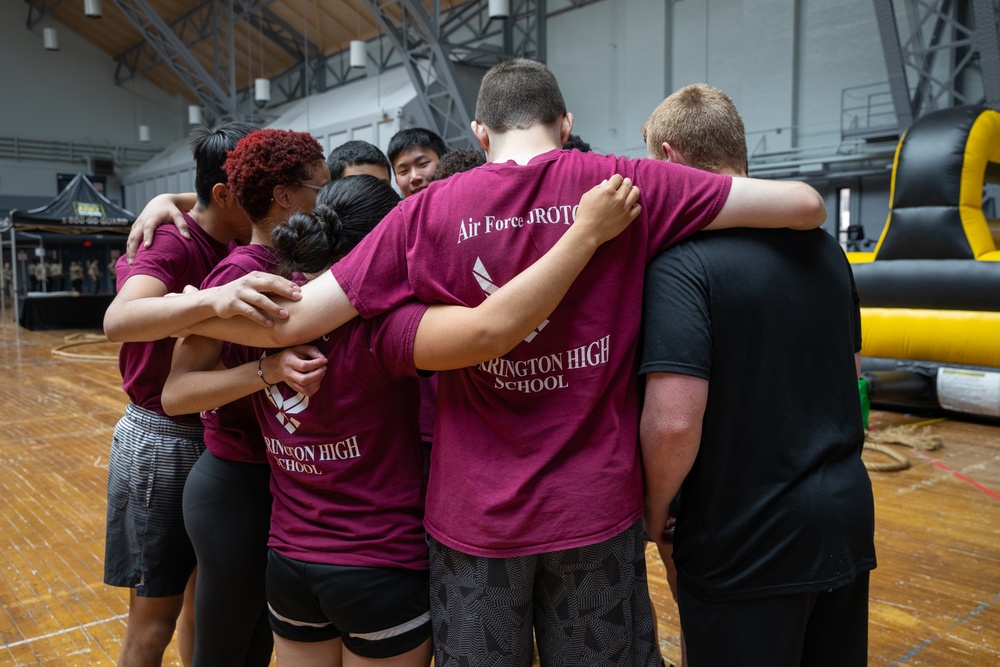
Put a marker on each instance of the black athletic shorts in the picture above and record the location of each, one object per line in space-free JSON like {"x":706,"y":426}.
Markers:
{"x":377,"y":612}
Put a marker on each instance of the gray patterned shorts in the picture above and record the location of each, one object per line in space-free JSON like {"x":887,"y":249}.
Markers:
{"x":588,"y":606}
{"x":146,"y":546}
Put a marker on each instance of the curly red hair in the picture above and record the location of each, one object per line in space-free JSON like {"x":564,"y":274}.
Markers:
{"x":266,"y":158}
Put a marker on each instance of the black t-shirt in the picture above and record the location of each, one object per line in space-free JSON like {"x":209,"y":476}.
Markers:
{"x":778,"y":500}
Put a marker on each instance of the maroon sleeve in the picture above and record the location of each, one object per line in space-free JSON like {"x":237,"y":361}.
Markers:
{"x":375,"y":275}
{"x":678,"y":200}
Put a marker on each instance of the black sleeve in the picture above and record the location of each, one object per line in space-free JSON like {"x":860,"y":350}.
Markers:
{"x":677,"y":323}
{"x":856,"y":311}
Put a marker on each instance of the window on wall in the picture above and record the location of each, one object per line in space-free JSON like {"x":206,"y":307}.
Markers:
{"x":844,"y":217}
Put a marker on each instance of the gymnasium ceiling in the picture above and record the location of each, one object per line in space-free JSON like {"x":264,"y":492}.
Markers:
{"x":270,"y":35}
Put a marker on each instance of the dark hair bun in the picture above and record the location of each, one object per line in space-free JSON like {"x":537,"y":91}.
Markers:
{"x":303,"y":243}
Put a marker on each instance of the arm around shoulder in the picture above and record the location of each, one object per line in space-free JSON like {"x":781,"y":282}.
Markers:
{"x":755,"y":202}
{"x":140,"y":313}
{"x":456,"y":337}
{"x":161,"y":209}
{"x":322,"y":307}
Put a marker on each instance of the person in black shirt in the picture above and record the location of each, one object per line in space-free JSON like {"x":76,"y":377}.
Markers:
{"x":751,"y":429}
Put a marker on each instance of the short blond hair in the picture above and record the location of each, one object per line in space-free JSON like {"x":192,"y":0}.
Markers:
{"x":703,"y":124}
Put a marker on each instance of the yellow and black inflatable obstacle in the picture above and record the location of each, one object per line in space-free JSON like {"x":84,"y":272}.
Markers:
{"x":930,"y":290}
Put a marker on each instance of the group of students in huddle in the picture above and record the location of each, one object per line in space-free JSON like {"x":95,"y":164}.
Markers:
{"x":273,"y":438}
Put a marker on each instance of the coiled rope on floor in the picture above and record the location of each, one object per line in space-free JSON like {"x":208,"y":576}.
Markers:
{"x":896,"y":463}
{"x":79,"y":339}
{"x":906,"y":435}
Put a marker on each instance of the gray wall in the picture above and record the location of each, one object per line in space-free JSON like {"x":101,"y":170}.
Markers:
{"x":611,"y":62}
{"x":69,"y":95}
{"x":785,"y":63}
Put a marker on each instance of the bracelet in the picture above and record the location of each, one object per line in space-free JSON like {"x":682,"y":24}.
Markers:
{"x":260,"y":372}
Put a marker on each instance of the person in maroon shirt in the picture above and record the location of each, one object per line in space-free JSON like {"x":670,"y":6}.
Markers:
{"x":147,"y":548}
{"x":352,"y":519}
{"x":414,"y":154}
{"x":227,"y":499}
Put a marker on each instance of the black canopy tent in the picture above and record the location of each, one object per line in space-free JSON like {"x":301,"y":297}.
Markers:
{"x":78,"y":209}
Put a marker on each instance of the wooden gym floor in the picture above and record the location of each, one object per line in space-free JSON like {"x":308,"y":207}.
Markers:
{"x":935,"y":597}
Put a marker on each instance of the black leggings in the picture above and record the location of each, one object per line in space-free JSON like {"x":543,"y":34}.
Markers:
{"x":821,"y":629}
{"x":227,"y":513}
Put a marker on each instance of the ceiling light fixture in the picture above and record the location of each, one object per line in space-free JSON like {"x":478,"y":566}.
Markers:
{"x":50,"y":38}
{"x":92,"y":9}
{"x":359,"y":53}
{"x":499,"y":9}
{"x":262,"y":91}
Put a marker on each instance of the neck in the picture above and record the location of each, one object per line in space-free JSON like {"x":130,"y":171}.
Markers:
{"x":214,"y":223}
{"x":261,"y":234}
{"x":521,"y":145}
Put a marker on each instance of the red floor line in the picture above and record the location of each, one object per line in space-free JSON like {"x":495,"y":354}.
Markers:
{"x":990,"y":492}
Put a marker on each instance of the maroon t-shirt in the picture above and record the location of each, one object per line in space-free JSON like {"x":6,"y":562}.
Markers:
{"x":176,"y":262}
{"x":346,"y":462}
{"x":538,"y":450}
{"x":232,"y":431}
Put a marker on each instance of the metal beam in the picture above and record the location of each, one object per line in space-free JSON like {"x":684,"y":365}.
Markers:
{"x":414,"y":31}
{"x":203,"y":23}
{"x":950,"y":54}
{"x":432,"y":43}
{"x":986,"y":17}
{"x":207,"y":87}
{"x":893,"y":52}
{"x":37,"y":9}
{"x":427,"y":42}
{"x":196,"y":26}
{"x":192,"y":27}
{"x":284,"y":35}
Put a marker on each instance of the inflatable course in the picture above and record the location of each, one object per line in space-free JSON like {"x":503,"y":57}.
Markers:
{"x":930,"y":290}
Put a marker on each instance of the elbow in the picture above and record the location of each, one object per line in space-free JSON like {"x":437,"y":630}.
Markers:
{"x":660,"y":432}
{"x":493,"y":344}
{"x":283,"y":333}
{"x":173,"y":398}
{"x":169,"y":401}
{"x":813,"y":208}
{"x":172,"y":410}
{"x":665,"y":434}
{"x":173,"y":404}
{"x":112,"y":328}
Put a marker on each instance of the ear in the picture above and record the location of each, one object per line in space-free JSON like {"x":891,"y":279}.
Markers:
{"x":565,"y":128}
{"x":280,"y":196}
{"x":673,"y":155}
{"x":221,"y":196}
{"x":481,"y":133}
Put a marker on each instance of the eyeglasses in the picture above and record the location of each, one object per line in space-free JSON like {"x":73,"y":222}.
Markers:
{"x":309,"y":185}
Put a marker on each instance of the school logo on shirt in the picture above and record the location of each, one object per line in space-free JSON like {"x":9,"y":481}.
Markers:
{"x":287,"y":407}
{"x":485,"y":282}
